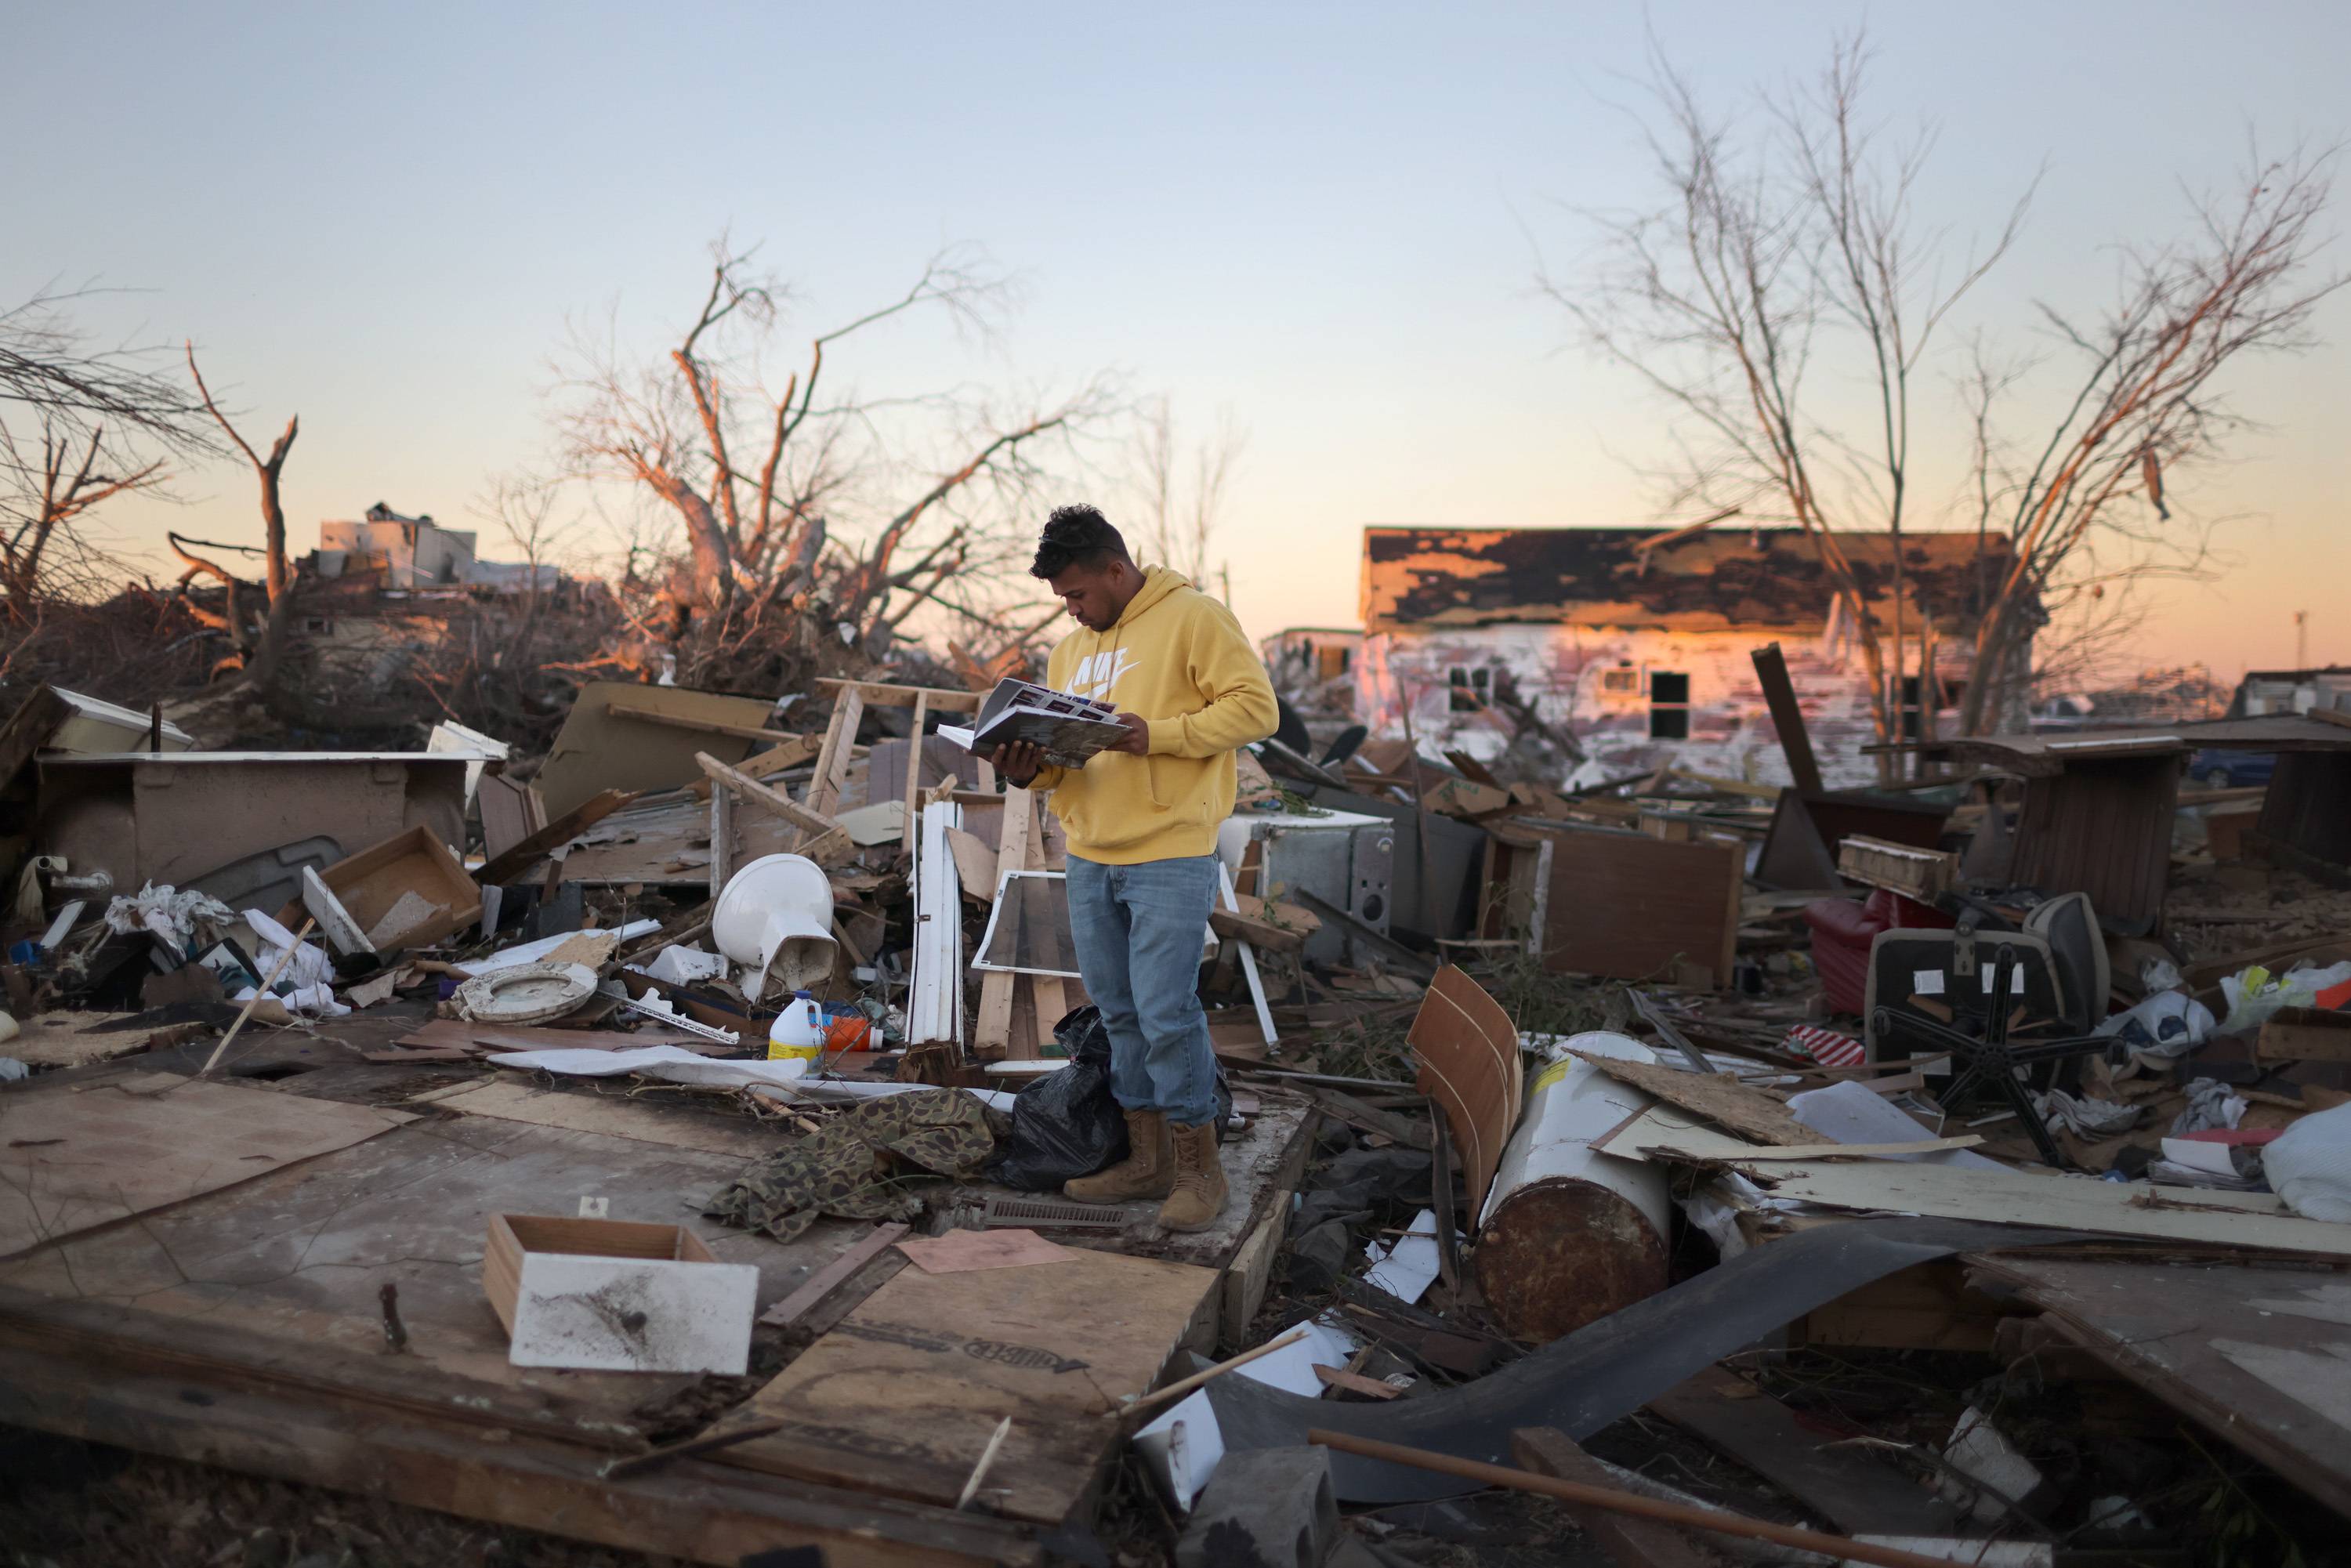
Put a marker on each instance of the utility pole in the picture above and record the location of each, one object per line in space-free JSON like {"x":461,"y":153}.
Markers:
{"x":2302,"y":639}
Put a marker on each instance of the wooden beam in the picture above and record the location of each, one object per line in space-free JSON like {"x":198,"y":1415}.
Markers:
{"x":945,"y":699}
{"x":991,"y":1033}
{"x":706,"y":725}
{"x":815,"y":824}
{"x":766,"y":764}
{"x":829,"y":1279}
{"x":1629,"y":1543}
{"x":832,"y":759}
{"x":2304,"y":1034}
{"x":696,"y":1509}
{"x":1788,"y":719}
{"x":553,"y":836}
{"x":914,"y":771}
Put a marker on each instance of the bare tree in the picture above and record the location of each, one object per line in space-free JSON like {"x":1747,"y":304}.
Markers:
{"x":1184,"y":493}
{"x":80,"y":424}
{"x":756,"y":480}
{"x":2083,"y":506}
{"x":1779,"y":244}
{"x":267,"y":470}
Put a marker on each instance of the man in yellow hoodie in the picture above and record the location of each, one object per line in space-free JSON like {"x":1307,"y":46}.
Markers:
{"x":1142,"y":821}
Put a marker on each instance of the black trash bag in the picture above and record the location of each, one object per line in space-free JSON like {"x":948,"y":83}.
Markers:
{"x":1068,"y":1124}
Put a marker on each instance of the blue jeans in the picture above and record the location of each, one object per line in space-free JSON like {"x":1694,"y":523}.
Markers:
{"x":1139,"y":931}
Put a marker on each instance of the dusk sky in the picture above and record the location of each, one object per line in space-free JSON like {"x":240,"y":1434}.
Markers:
{"x":1324,"y":222}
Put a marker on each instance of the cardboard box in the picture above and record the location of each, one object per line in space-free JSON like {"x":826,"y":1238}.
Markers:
{"x":1467,"y":798}
{"x":371,"y":884}
{"x":616,"y":1295}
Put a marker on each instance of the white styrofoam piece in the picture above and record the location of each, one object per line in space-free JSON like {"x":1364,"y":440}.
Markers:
{"x":1406,"y":1270}
{"x":574,"y":1310}
{"x":683,"y":966}
{"x":1849,"y":1113}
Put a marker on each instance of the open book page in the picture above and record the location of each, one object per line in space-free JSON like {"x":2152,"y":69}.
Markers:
{"x":1067,"y":727}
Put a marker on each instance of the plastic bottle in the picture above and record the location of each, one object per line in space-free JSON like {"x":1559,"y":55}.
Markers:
{"x":798,"y":1031}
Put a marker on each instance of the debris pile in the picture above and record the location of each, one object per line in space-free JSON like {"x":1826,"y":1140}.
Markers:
{"x":657,"y":1139}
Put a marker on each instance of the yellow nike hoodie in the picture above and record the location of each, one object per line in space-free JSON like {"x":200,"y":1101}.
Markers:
{"x":1178,"y":658}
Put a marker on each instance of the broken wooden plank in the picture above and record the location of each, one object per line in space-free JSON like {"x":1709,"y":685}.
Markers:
{"x":562,"y":830}
{"x":1631,"y":1542}
{"x":832,"y":759}
{"x":694,"y":1509}
{"x":1788,"y":719}
{"x":1719,"y":1097}
{"x":2304,"y":1034}
{"x":813,"y":822}
{"x":991,"y":1033}
{"x":902,"y":1396}
{"x":829,"y":1279}
{"x":946,"y":699}
{"x":765,"y":765}
{"x":705,"y":725}
{"x":1848,"y":1487}
{"x":1339,"y":1377}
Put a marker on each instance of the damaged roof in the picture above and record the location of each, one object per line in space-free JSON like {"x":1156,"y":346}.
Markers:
{"x":1746,"y":578}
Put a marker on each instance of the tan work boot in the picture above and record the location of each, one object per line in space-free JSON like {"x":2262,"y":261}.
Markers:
{"x":1200,"y":1195}
{"x":1149,"y":1170}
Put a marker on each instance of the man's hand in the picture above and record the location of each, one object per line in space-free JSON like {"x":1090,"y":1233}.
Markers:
{"x":1137,"y":741}
{"x":1019,"y":761}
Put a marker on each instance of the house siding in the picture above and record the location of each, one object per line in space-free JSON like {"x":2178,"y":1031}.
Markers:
{"x":1559,"y":669}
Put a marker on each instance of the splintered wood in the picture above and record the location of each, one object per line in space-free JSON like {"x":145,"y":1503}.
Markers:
{"x":78,"y":1157}
{"x":903,"y":1395}
{"x":1722,"y":1100}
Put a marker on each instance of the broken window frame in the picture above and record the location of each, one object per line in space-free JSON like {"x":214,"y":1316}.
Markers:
{"x":994,"y":912}
{"x":1468,"y":690}
{"x":1676,"y":712}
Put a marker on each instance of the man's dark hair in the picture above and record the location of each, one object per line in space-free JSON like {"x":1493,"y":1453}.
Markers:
{"x":1076,"y":536}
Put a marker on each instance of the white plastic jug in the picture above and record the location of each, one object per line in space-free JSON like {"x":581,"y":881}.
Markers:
{"x":798,"y":1031}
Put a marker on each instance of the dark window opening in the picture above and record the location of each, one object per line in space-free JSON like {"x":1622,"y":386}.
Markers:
{"x":1669,"y":705}
{"x":1468,"y":690}
{"x":1331,"y":662}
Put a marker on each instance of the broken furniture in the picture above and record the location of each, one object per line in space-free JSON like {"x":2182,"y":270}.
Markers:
{"x":1982,"y":1016}
{"x":1601,"y":901}
{"x":2099,"y":804}
{"x":240,"y":825}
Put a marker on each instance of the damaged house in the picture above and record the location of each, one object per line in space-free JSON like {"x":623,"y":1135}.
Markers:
{"x":1638,"y":645}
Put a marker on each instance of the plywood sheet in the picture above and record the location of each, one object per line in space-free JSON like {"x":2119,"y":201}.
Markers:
{"x":646,"y":1120}
{"x":2259,"y":1355}
{"x":2248,"y":1220}
{"x":281,"y":1275}
{"x":902,"y":1396}
{"x":1626,"y":906}
{"x":598,"y":749}
{"x":82,"y":1154}
{"x":1469,"y":1064}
